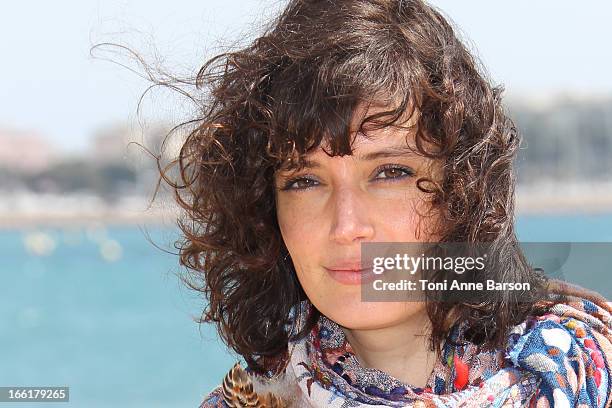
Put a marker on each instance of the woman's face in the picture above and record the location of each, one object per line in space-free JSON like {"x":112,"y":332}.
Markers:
{"x":329,"y":208}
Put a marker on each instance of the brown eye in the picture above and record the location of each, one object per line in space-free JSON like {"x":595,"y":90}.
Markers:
{"x":301,"y":183}
{"x":394,"y":172}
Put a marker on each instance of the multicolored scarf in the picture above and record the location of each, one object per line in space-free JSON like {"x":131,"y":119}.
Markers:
{"x":562,"y":359}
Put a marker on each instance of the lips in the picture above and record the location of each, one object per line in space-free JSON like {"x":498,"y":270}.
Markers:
{"x":350,"y":273}
{"x":348,"y":265}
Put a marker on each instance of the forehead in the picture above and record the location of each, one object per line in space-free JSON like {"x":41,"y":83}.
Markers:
{"x":388,"y":141}
{"x":371,"y":137}
{"x":382,"y":143}
{"x":367,"y":139}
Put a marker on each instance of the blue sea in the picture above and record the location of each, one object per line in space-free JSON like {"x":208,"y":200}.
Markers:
{"x":101,"y":310}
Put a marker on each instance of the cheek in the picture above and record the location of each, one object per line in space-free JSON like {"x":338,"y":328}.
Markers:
{"x":402,"y":219}
{"x":292,"y":224}
{"x":297,"y":216}
{"x":301,"y":229}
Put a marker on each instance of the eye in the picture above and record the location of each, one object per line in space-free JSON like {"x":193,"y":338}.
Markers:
{"x":299,"y":183}
{"x":394,"y":172}
{"x":390,"y":172}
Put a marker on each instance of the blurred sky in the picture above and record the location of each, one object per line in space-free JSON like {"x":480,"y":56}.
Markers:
{"x":50,"y":84}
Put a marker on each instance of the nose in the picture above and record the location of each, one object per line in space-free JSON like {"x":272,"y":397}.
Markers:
{"x":351,"y":217}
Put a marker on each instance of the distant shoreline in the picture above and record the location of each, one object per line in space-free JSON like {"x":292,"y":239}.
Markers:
{"x":563,"y":205}
{"x":571,"y":198}
{"x":21,"y":221}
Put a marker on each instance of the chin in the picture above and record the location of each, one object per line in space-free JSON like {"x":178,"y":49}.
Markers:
{"x":354,"y":314}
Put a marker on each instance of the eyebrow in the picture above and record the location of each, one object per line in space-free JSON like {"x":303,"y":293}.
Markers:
{"x":393,"y":151}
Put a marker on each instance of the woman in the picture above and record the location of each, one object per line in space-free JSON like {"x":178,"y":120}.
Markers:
{"x":353,"y":122}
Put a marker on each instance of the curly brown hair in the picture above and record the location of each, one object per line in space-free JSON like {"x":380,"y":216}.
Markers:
{"x":297,"y":85}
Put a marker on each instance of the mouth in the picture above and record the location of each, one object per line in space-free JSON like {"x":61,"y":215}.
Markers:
{"x":352,"y":276}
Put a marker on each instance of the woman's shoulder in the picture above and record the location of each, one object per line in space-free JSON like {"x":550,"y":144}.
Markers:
{"x":569,"y":348}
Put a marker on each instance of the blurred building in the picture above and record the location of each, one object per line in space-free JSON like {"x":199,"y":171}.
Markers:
{"x":110,"y":144}
{"x":566,"y":138}
{"x":25,"y":151}
{"x":131,"y":144}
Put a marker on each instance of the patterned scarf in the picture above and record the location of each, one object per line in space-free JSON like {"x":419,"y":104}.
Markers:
{"x":562,"y":358}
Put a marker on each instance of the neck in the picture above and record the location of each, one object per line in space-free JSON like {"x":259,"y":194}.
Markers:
{"x":400,"y":350}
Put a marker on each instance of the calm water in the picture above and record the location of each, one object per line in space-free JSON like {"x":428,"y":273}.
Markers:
{"x":104,"y":314}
